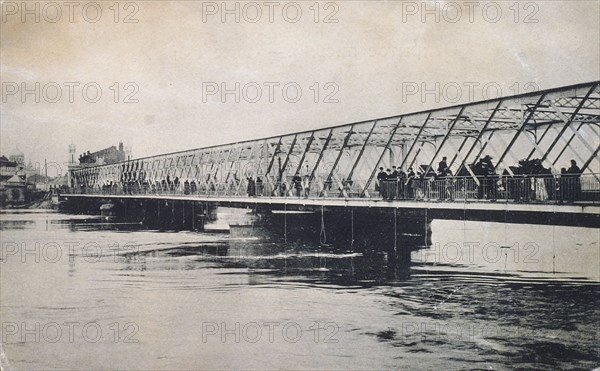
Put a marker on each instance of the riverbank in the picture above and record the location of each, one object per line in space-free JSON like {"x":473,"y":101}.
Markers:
{"x":43,"y":203}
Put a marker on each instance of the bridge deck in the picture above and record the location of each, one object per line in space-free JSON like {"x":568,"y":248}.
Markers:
{"x":312,"y":203}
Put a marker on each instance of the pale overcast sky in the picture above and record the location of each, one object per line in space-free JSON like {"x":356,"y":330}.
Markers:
{"x":176,"y":47}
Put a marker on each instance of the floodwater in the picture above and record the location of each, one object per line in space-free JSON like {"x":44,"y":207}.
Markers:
{"x":80,"y":293}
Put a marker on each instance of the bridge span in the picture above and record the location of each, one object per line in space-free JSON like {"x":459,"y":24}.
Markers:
{"x":584,"y":214}
{"x":527,"y":158}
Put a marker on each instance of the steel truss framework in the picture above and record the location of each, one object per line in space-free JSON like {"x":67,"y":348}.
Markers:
{"x":554,"y":126}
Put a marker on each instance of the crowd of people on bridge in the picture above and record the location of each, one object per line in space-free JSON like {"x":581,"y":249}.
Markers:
{"x":529,"y":181}
{"x":299,"y":187}
{"x":526,"y":182}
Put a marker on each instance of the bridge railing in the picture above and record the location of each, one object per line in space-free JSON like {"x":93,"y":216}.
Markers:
{"x":521,"y":188}
{"x":534,"y":188}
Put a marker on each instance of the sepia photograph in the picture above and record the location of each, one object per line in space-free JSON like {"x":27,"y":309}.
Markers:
{"x":300,"y":185}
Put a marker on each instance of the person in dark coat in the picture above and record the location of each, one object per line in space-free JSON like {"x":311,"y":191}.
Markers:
{"x":402,"y":193}
{"x":485,"y":171}
{"x":381,"y":176}
{"x":259,"y":186}
{"x":442,"y":167}
{"x":574,"y":181}
{"x":393,"y":183}
{"x":387,"y":188}
{"x":562,"y":185}
{"x":409,"y":186}
{"x":186,"y":187}
{"x":297,"y":181}
{"x":251,"y":190}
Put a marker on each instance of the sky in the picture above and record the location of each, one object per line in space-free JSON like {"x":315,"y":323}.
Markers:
{"x":160,"y":66}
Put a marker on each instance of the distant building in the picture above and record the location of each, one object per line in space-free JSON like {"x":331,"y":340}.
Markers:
{"x":20,"y":183}
{"x":18,"y":157}
{"x":105,"y":156}
{"x":13,"y":179}
{"x":13,"y":190}
{"x":8,"y":168}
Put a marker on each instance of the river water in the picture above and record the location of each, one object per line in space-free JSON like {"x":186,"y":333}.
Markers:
{"x":81,"y":293}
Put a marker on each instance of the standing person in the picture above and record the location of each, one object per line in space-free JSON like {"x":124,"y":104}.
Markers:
{"x":410,"y":182}
{"x":574,"y":176}
{"x":259,"y":187}
{"x":562,"y":185}
{"x":487,"y":187}
{"x":393,"y":180}
{"x":442,"y":167}
{"x":251,"y":189}
{"x":306,"y":186}
{"x":387,"y":189}
{"x":402,"y":193}
{"x":297,"y":181}
{"x":449,"y":185}
{"x":186,"y":187}
{"x":176,"y":184}
{"x":418,"y":186}
{"x":381,"y":176}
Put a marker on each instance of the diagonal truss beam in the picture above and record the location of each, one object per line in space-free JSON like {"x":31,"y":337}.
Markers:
{"x":521,"y":129}
{"x":339,"y":156}
{"x":414,"y":142}
{"x":566,"y":126}
{"x":385,"y":149}
{"x":439,"y":148}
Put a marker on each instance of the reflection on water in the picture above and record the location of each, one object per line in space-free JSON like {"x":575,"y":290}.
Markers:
{"x":479,"y":295}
